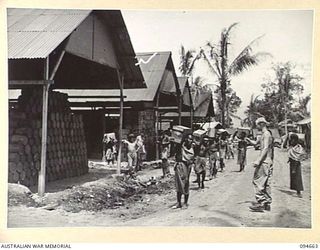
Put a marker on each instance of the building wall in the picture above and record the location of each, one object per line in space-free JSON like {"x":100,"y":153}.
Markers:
{"x":92,"y":40}
{"x":146,"y":124}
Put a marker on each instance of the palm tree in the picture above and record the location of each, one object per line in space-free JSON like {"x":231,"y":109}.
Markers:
{"x":198,"y":87}
{"x":218,"y":61}
{"x":187,"y":62}
{"x":252,"y":110}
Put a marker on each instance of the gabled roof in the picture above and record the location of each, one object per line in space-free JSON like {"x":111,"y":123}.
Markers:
{"x":182,"y":82}
{"x":153,"y":66}
{"x":153,"y":72}
{"x":205,"y":108}
{"x":35,"y":33}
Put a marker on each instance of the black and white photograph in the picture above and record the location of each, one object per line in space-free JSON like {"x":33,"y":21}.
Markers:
{"x":159,"y":118}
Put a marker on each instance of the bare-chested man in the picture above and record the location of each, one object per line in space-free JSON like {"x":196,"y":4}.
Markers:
{"x":263,"y":168}
{"x":132,"y":147}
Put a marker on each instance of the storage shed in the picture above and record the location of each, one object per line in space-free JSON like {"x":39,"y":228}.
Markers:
{"x":60,"y":49}
{"x":142,"y":107}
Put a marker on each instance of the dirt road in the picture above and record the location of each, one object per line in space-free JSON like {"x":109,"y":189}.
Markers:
{"x":223,"y":203}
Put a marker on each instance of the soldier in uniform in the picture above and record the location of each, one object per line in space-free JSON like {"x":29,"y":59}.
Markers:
{"x":263,"y":169}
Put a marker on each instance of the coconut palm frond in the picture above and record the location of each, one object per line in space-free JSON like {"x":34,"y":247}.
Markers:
{"x":210,"y":45}
{"x":245,"y":61}
{"x":209,"y":64}
{"x":186,"y":60}
{"x":227,"y":31}
{"x":218,"y":65}
{"x":191,"y":66}
{"x":182,"y":51}
{"x":198,"y":81}
{"x":245,"y":55}
{"x":242,"y":64}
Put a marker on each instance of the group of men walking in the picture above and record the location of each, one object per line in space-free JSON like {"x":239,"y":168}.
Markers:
{"x":210,"y":153}
{"x":190,"y":155}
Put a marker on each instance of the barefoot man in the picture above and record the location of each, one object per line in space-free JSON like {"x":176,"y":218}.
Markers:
{"x":263,"y":168}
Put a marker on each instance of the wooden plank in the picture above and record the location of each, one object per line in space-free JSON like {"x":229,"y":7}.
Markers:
{"x":30,"y":82}
{"x":121,"y":80}
{"x":95,"y":96}
{"x":98,"y":104}
{"x":180,"y":108}
{"x":57,"y":65}
{"x":157,"y":124}
{"x":168,"y":108}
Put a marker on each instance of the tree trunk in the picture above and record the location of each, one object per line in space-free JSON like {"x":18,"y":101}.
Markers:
{"x":223,"y":104}
{"x":223,"y":81}
{"x":285,"y":118}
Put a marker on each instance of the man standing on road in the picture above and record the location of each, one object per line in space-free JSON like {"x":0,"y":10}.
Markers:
{"x":263,"y":169}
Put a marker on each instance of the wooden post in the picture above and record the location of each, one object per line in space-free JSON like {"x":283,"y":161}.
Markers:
{"x":285,"y":118}
{"x":157,"y":124}
{"x":191,"y":106}
{"x":104,"y":120}
{"x":42,"y":172}
{"x":121,"y":79}
{"x":54,"y":71}
{"x":179,"y":108}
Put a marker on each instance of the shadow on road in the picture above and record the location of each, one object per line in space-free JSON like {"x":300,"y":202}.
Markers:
{"x":198,"y":189}
{"x":68,"y":183}
{"x":245,"y":202}
{"x":292,"y":193}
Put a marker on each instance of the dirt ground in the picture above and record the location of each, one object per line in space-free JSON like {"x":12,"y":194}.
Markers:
{"x":223,"y":203}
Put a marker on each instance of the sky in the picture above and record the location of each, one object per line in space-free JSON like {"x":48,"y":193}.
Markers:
{"x":287,"y":37}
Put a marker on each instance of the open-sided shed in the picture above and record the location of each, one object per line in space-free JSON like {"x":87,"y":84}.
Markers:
{"x":143,"y":108}
{"x":62,"y":49}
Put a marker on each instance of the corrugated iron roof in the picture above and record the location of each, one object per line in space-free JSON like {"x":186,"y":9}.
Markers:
{"x":202,"y":109}
{"x":182,"y":82}
{"x":152,"y":73}
{"x":35,"y":33}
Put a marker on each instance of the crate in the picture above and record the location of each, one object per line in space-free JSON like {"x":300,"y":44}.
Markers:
{"x":198,"y":135}
{"x":179,"y":132}
{"x":248,"y":131}
{"x":111,"y":136}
